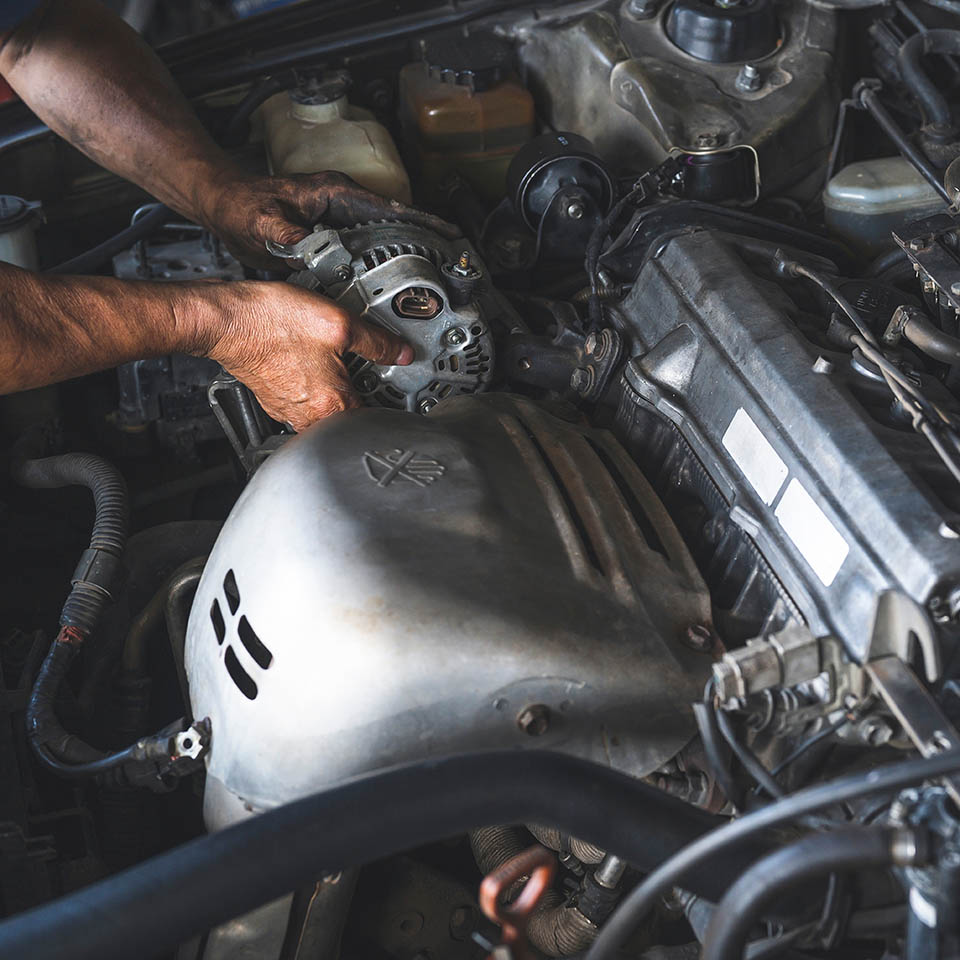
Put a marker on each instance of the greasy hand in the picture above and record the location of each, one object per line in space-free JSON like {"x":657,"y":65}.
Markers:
{"x":246,"y":212}
{"x":285,"y":343}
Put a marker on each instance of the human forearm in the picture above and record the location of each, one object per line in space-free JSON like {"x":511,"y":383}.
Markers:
{"x":282,"y":341}
{"x":94,"y":81}
{"x":52,"y":328}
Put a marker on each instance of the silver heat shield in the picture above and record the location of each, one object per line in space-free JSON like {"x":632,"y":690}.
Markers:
{"x":392,"y":587}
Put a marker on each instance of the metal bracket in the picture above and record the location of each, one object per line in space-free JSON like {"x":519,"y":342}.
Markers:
{"x":916,"y":711}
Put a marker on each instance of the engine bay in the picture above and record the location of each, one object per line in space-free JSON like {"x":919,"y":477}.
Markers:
{"x":632,"y":602}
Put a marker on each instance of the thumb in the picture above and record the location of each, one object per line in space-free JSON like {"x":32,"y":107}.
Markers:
{"x":378,"y":345}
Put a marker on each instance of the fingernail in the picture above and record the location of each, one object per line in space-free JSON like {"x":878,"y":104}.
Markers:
{"x":405,"y":355}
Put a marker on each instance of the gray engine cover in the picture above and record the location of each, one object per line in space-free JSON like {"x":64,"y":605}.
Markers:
{"x":414,"y":583}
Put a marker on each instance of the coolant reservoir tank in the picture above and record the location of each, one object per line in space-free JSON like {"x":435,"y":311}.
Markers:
{"x":315,"y":128}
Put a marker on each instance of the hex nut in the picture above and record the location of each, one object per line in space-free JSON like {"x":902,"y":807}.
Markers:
{"x":534,"y":720}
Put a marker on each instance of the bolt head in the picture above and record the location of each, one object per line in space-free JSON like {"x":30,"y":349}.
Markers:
{"x":707,"y":140}
{"x":534,"y":720}
{"x":590,"y":345}
{"x":343,"y":272}
{"x":581,"y":380}
{"x":367,"y":381}
{"x":749,"y":79}
{"x":642,"y":9}
{"x":427,"y":404}
{"x":575,"y":210}
{"x":455,"y":336}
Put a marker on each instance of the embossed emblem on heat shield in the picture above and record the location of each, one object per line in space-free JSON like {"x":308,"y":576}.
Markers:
{"x":384,"y":468}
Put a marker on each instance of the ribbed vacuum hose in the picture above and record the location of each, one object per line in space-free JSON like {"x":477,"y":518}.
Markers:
{"x":557,"y":840}
{"x":89,"y":593}
{"x":88,"y":596}
{"x":554,"y":929}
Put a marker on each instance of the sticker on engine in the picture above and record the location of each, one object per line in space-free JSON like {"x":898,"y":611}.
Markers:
{"x":812,"y":532}
{"x":754,"y":455}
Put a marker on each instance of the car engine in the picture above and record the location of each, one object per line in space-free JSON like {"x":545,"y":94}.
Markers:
{"x":623,"y":621}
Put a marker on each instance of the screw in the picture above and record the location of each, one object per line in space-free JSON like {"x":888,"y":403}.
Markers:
{"x":343,"y":272}
{"x":700,"y":637}
{"x":534,"y":720}
{"x":455,"y":336}
{"x":367,"y":381}
{"x":707,"y":140}
{"x":915,"y":246}
{"x":643,"y":9}
{"x":581,"y":379}
{"x":575,"y":210}
{"x":427,"y":404}
{"x":749,"y":79}
{"x":463,"y":267}
{"x":875,"y":731}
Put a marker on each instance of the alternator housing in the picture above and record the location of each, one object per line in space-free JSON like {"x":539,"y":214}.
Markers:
{"x":428,"y":290}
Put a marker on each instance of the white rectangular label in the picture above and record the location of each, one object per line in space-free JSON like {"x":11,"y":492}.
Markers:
{"x":812,"y":532}
{"x":754,"y":455}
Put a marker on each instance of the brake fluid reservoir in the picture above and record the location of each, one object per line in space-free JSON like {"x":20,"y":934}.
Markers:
{"x":464,"y":111}
{"x":315,"y":128}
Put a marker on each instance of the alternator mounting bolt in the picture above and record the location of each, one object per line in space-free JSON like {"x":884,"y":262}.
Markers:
{"x":427,"y":404}
{"x":343,"y":272}
{"x":455,"y":336}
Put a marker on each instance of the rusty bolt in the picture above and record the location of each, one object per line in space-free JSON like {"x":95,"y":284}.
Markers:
{"x":700,"y":637}
{"x":534,"y":720}
{"x":707,"y":140}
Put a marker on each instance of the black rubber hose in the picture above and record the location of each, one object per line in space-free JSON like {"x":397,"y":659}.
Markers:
{"x":95,"y":258}
{"x":929,"y":338}
{"x":90,"y":591}
{"x":725,"y":841}
{"x":156,"y":905}
{"x":109,"y":536}
{"x":848,"y":849}
{"x":936,"y":109}
{"x":236,"y":130}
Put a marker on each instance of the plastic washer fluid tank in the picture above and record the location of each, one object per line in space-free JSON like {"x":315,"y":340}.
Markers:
{"x":866,"y":200}
{"x":310,"y":137}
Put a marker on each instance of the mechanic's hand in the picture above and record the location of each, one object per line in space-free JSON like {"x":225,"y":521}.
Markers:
{"x":246,"y":212}
{"x":285,"y":343}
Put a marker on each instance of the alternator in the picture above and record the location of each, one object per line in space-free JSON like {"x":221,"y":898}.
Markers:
{"x":420,"y":286}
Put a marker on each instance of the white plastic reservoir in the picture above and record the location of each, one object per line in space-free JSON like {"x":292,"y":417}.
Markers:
{"x":315,"y":128}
